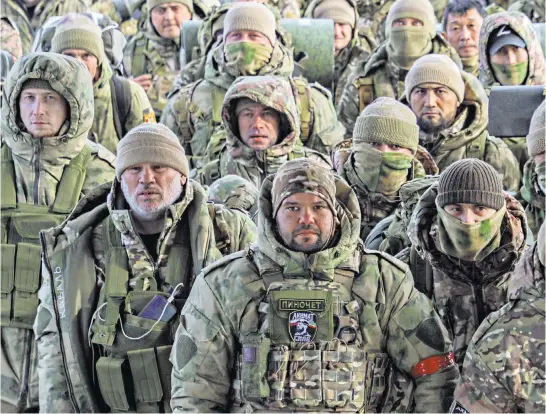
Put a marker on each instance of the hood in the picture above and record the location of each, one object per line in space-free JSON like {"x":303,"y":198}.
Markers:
{"x":520,"y":24}
{"x":217,"y":73}
{"x":499,"y":262}
{"x":70,"y":79}
{"x":167,"y":48}
{"x":324,"y":262}
{"x":274,"y":92}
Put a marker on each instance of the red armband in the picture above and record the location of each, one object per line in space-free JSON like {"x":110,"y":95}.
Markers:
{"x":432,"y":365}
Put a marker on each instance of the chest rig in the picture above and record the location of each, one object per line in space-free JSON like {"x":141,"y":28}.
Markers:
{"x":308,"y":352}
{"x":21,"y":226}
{"x":134,"y":371}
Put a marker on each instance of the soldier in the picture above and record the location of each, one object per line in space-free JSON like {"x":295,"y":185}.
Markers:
{"x":28,"y":16}
{"x":385,"y":141}
{"x":411,"y":34}
{"x":451,"y":110}
{"x":350,"y":50}
{"x":510,"y":54}
{"x":47,"y":165}
{"x":261,"y":122}
{"x":462,"y":23}
{"x":117,"y":273}
{"x":249,"y":48}
{"x":466,"y":236}
{"x":534,"y":173}
{"x":79,"y":37}
{"x":235,"y":192}
{"x":504,"y":367}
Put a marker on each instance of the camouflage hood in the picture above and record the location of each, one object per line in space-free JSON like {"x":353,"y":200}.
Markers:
{"x":71,"y":80}
{"x":274,"y":92}
{"x":521,"y":25}
{"x":323,"y":263}
{"x":513,"y":229}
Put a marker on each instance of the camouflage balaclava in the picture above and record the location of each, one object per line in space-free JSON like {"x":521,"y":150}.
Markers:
{"x":235,"y":192}
{"x":535,"y":143}
{"x":507,"y":74}
{"x":249,"y":57}
{"x":385,"y":121}
{"x":475,"y":182}
{"x":408,"y":43}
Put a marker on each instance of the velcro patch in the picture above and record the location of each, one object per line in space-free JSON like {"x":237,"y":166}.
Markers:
{"x":249,"y":355}
{"x":302,"y":326}
{"x":317,"y":305}
{"x":459,"y":408}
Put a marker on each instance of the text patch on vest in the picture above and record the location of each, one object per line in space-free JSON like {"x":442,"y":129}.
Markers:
{"x":318,"y":305}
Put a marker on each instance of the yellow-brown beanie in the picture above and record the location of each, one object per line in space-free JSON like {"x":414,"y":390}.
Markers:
{"x":154,"y":3}
{"x":77,"y":31}
{"x":251,"y":16}
{"x":435,"y":69}
{"x":537,"y":130}
{"x":416,"y":9}
{"x":338,"y":11}
{"x":151,"y":143}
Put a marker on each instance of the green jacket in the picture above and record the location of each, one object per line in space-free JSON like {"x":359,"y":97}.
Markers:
{"x":379,"y":76}
{"x":35,"y":167}
{"x":79,"y":275}
{"x":226,"y":309}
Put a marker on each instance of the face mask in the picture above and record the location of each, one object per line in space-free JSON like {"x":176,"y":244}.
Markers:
{"x":510,"y":74}
{"x":381,"y":172}
{"x":470,"y":242}
{"x":540,"y":170}
{"x":247,"y":58}
{"x":407,"y":44}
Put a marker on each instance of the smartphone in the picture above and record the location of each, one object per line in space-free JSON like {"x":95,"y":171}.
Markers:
{"x":155,"y":307}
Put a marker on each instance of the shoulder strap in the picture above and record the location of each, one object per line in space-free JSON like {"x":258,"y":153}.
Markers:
{"x":304,"y":107}
{"x":9,"y":193}
{"x":221,"y":231}
{"x":211,"y":172}
{"x":365,"y":91}
{"x":218,"y":95}
{"x":422,"y":273}
{"x":476,"y":149}
{"x":138,"y":66}
{"x":120,"y":89}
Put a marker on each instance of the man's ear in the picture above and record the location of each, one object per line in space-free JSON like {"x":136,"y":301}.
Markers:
{"x":444,"y":35}
{"x":183,"y":179}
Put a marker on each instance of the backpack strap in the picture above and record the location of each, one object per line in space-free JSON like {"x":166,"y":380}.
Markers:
{"x":422,"y":273}
{"x":211,"y":172}
{"x":476,"y":149}
{"x":120,"y":90}
{"x":138,"y":64}
{"x":218,"y":95}
{"x":365,"y":91}
{"x":304,"y":108}
{"x":9,"y":193}
{"x":221,"y":230}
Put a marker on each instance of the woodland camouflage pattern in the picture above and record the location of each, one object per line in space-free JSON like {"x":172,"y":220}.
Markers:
{"x":504,"y":366}
{"x":34,"y":186}
{"x":235,"y":192}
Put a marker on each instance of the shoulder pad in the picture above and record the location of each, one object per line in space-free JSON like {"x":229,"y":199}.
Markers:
{"x":224,"y":261}
{"x":391,"y":259}
{"x":101,"y":152}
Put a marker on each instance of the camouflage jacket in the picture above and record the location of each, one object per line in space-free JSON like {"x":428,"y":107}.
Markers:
{"x":379,"y":76}
{"x":103,"y":130}
{"x":468,"y":138}
{"x":38,"y":166}
{"x":193,"y":113}
{"x":233,"y":156}
{"x":464,"y":293}
{"x":504,"y":367}
{"x":520,"y":24}
{"x":108,"y":8}
{"x":10,"y":40}
{"x":225,"y":304}
{"x":28,"y":22}
{"x":534,"y":9}
{"x":78,"y":249}
{"x":533,"y":197}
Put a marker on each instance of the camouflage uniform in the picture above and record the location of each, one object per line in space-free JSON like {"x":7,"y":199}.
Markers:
{"x":10,"y":41}
{"x":464,"y":292}
{"x":379,"y":76}
{"x":39,"y":171}
{"x":225,"y":326}
{"x":532,"y":194}
{"x":504,"y":367}
{"x":232,"y":156}
{"x":522,"y":26}
{"x":107,"y":7}
{"x":185,"y":247}
{"x":193,"y":112}
{"x":534,"y":9}
{"x":235,"y":192}
{"x":28,"y":23}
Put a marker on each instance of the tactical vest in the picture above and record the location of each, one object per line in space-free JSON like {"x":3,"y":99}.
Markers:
{"x":21,"y":226}
{"x":371,"y":87}
{"x":308,"y":351}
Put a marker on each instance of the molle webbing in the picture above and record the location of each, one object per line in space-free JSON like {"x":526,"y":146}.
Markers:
{"x":304,"y":109}
{"x":365,"y":92}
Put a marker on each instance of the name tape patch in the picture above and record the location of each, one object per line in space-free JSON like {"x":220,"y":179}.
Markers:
{"x":317,"y":305}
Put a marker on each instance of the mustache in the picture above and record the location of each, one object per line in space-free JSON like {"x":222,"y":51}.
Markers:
{"x":307,"y":227}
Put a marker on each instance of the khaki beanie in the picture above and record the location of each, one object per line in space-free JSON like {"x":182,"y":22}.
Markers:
{"x":154,"y":3}
{"x":251,"y":16}
{"x":338,"y":11}
{"x":388,"y":121}
{"x":470,"y":181}
{"x":76,"y":31}
{"x":537,"y":130}
{"x":417,"y":9}
{"x":37,"y":84}
{"x":151,"y":143}
{"x":435,"y":69}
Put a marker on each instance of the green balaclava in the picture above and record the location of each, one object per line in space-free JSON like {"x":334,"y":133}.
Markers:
{"x":504,"y":73}
{"x":469,"y":181}
{"x":536,"y":143}
{"x":408,"y":43}
{"x":249,"y":57}
{"x":385,"y":121}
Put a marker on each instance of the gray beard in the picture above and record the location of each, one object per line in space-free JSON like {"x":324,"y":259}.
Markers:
{"x":148,"y":214}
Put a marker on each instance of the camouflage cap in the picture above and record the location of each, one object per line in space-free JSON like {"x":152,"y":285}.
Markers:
{"x":303,"y":175}
{"x":234,"y":192}
{"x":537,"y":130}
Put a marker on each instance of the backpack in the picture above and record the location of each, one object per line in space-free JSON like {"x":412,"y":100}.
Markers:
{"x":120,"y":90}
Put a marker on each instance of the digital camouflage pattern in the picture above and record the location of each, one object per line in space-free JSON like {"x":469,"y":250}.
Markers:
{"x":74,"y":239}
{"x":193,"y":112}
{"x":533,"y":197}
{"x":28,"y":22}
{"x":228,"y":308}
{"x":104,"y":130}
{"x":383,"y":77}
{"x":464,"y":293}
{"x":235,"y":192}
{"x":39,"y":165}
{"x":504,"y":366}
{"x":10,"y":41}
{"x":235,"y":157}
{"x":467,"y":137}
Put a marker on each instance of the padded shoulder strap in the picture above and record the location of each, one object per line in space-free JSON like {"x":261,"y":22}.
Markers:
{"x":120,"y":89}
{"x":211,"y":172}
{"x":218,"y":95}
{"x":422,"y":273}
{"x":9,"y":192}
{"x":365,"y":91}
{"x":221,"y":230}
{"x":304,"y":107}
